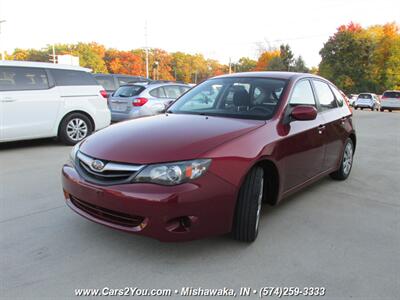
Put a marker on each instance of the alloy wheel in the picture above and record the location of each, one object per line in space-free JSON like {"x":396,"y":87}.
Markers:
{"x":347,"y":158}
{"x":77,"y":129}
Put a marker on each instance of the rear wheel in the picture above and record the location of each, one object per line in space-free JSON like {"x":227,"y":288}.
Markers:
{"x":74,"y":128}
{"x":390,"y":110}
{"x":347,"y":162}
{"x":382,"y":110}
{"x":248,"y":206}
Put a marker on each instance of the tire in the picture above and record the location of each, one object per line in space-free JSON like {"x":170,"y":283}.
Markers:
{"x":382,"y":110}
{"x":248,"y":207}
{"x":362,"y":108}
{"x":355,"y":107}
{"x":390,"y":110}
{"x":346,"y":163}
{"x":74,"y":128}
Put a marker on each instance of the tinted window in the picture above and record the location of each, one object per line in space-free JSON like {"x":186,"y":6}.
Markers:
{"x":338,"y":95}
{"x":325,"y":95}
{"x":128,"y":91}
{"x":235,"y":97}
{"x":126,"y":79}
{"x":302,"y":94}
{"x":19,"y":78}
{"x":158,"y":93}
{"x":391,"y":95}
{"x":364,"y":96}
{"x":107,"y":82}
{"x":172,"y":91}
{"x":70,"y":77}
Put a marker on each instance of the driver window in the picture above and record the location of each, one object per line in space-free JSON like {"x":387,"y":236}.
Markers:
{"x":302,"y":94}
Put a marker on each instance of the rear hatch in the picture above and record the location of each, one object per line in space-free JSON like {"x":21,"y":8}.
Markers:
{"x":365,"y":99}
{"x":121,"y":100}
{"x":391,"y":99}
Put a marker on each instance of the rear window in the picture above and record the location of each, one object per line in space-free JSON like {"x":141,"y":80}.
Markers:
{"x":71,"y":77}
{"x":21,"y":78}
{"x":128,"y":91}
{"x":107,"y":82}
{"x":364,"y":96}
{"x":391,"y":95}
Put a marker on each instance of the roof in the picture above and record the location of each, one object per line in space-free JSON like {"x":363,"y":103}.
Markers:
{"x":155,"y":85}
{"x":125,"y":75}
{"x":33,"y":64}
{"x":269,"y":74}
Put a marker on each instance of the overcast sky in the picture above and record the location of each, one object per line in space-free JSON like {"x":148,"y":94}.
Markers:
{"x":218,"y":29}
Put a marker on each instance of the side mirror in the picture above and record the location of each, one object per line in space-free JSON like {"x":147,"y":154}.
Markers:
{"x":304,"y":113}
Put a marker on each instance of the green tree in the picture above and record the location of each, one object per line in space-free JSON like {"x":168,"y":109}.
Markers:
{"x":245,"y":64}
{"x":360,"y":60}
{"x":299,"y":65}
{"x":286,"y":56}
{"x":276,"y":64}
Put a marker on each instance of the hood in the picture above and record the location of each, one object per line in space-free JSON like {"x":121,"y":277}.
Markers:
{"x":164,"y":138}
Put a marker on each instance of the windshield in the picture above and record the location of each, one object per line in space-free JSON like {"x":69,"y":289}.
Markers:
{"x":129,"y":91}
{"x":247,"y":98}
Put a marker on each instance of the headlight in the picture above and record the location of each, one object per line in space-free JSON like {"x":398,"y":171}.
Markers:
{"x":173,"y":173}
{"x":72,"y":154}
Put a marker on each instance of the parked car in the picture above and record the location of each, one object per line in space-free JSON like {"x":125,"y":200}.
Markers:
{"x":138,"y":100}
{"x":367,"y":100}
{"x":111,"y":82}
{"x":39,"y":100}
{"x":390,"y":101}
{"x":352,"y":98}
{"x":205,"y":167}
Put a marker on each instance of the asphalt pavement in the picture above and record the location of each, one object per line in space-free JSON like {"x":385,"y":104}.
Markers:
{"x":344,"y":236}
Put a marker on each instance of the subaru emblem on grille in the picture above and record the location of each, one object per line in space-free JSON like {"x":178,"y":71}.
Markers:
{"x":97,"y":165}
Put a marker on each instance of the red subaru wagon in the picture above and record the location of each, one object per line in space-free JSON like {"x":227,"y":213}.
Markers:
{"x":207,"y":165}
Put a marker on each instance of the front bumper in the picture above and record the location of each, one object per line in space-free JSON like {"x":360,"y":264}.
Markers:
{"x":167,"y":213}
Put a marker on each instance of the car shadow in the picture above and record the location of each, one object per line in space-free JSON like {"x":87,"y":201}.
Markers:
{"x":48,"y":142}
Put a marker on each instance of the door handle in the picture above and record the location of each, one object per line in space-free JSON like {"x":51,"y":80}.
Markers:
{"x":8,"y":99}
{"x":321,"y":128}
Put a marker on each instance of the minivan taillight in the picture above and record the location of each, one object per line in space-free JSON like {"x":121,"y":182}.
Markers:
{"x":139,"y":101}
{"x":104,"y":93}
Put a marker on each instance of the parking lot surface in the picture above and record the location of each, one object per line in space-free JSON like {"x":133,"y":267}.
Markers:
{"x":344,"y":236}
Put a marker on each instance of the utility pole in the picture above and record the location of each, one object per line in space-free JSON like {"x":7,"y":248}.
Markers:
{"x":2,"y":50}
{"x":230,"y":67}
{"x":147,"y":50}
{"x":54,"y":55}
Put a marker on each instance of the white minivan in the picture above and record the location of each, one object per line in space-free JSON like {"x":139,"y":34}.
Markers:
{"x":39,"y":100}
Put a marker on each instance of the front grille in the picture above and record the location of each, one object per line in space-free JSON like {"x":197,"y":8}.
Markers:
{"x":107,"y":215}
{"x":110,"y":173}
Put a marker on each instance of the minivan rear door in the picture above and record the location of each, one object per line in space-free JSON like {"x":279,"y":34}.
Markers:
{"x":30,"y":104}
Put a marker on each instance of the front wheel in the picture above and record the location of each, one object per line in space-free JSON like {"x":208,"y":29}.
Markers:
{"x":346,"y":163}
{"x":248,"y":206}
{"x":74,"y":128}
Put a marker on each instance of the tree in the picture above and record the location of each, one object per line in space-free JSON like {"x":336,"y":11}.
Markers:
{"x":299,"y":65}
{"x":245,"y":64}
{"x":265,"y":58}
{"x":286,"y":56}
{"x":123,"y":62}
{"x":360,"y":60}
{"x":276,"y":64}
